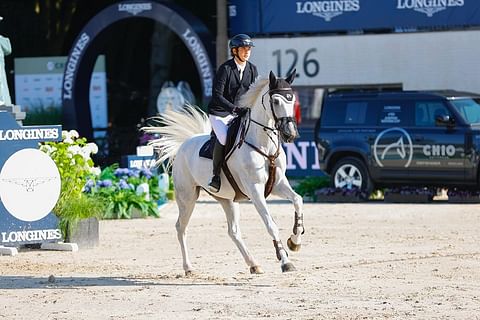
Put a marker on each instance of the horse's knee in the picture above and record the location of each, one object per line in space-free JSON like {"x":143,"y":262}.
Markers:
{"x":234,"y":233}
{"x":181,"y":226}
{"x":298,"y":200}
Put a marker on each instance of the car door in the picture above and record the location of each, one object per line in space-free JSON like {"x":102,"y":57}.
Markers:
{"x":391,"y":147}
{"x":438,"y":148}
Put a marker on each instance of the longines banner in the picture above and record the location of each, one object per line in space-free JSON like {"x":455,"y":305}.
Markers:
{"x":29,"y":184}
{"x":287,"y":16}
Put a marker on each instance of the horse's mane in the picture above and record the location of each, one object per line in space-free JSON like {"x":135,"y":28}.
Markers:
{"x":255,"y":90}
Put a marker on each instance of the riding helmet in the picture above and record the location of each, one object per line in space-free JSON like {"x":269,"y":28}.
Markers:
{"x":240,"y":40}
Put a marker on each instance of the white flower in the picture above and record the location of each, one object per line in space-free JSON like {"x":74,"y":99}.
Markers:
{"x":85,"y":152}
{"x":96,"y":171}
{"x":68,"y":140}
{"x":74,"y":149}
{"x":92,"y":147}
{"x":74,"y":134}
{"x":65,"y":134}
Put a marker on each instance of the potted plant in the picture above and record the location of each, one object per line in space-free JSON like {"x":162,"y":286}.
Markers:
{"x":72,"y":156}
{"x":330,"y":194}
{"x":127,"y":192}
{"x":407,"y":194}
{"x":457,"y":195}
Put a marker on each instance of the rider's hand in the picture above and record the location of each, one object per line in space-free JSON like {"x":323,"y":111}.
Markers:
{"x":240,"y":111}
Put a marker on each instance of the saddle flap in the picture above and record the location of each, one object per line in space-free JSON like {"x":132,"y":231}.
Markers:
{"x":206,"y":151}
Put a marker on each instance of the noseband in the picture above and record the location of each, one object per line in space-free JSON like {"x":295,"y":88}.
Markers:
{"x":282,"y":124}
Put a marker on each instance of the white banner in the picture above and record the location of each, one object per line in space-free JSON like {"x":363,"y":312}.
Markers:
{"x":417,"y":61}
{"x":38,"y":84}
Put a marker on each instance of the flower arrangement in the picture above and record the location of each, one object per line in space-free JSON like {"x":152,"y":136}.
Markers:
{"x":407,"y":190}
{"x":408,"y":194}
{"x":72,"y":156}
{"x":456,"y":195}
{"x":331,"y":194}
{"x":124,"y":190}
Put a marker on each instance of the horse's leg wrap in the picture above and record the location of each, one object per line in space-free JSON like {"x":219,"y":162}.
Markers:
{"x":293,"y":242}
{"x":298,"y":223}
{"x":279,"y":246}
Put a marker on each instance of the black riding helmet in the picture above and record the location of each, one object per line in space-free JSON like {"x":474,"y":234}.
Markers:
{"x":240,"y":40}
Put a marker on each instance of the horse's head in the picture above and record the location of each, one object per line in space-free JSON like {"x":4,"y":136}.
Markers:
{"x":282,"y":102}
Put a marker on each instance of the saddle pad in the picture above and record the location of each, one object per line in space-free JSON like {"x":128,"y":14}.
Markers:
{"x":206,"y":151}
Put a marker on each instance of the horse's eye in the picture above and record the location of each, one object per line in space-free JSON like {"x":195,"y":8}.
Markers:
{"x":276,"y":101}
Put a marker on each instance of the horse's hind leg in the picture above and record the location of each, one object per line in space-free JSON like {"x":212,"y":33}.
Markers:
{"x":232,"y":212}
{"x":284,"y":190}
{"x":186,"y":199}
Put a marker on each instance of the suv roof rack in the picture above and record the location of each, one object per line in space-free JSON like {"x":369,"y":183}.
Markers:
{"x":373,"y":92}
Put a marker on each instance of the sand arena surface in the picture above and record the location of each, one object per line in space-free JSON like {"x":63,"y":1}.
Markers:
{"x":358,"y":261}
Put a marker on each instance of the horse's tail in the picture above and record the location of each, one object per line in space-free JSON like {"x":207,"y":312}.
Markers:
{"x":174,"y":127}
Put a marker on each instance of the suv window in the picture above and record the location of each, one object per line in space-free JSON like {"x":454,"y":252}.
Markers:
{"x":469,"y":109}
{"x":348,"y":113}
{"x":355,"y":112}
{"x":427,"y":111}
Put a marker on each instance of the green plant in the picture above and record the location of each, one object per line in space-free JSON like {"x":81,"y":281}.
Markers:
{"x":171,"y":191}
{"x":72,"y":156}
{"x":125,"y":189}
{"x":72,"y":210}
{"x":308,"y":186}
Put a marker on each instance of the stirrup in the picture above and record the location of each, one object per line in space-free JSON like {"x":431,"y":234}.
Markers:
{"x":214,"y":185}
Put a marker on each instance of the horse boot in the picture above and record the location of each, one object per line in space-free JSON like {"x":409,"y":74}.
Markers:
{"x":214,"y":185}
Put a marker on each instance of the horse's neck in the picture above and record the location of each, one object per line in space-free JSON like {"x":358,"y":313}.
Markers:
{"x":256,"y":134}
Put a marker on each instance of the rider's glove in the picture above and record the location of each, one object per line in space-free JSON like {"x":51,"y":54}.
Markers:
{"x":240,"y":111}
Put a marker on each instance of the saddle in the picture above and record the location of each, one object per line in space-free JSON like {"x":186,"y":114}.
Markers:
{"x":206,"y":151}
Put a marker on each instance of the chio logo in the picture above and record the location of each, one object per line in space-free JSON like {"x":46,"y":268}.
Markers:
{"x":399,"y":149}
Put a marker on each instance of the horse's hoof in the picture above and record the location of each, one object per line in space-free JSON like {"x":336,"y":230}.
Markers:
{"x":292,"y":246}
{"x":288,"y":267}
{"x":189,"y":273}
{"x":256,"y":270}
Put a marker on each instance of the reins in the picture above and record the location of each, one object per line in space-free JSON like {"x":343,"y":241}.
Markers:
{"x":271,"y":158}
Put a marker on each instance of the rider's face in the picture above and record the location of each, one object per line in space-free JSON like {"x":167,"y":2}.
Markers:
{"x":244,"y":53}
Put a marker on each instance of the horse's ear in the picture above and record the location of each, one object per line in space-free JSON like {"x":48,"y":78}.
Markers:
{"x":292,"y":76}
{"x":273,"y":80}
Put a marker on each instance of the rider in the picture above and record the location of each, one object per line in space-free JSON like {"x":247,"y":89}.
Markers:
{"x":232,"y":80}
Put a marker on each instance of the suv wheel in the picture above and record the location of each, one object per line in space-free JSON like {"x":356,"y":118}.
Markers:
{"x":351,"y":172}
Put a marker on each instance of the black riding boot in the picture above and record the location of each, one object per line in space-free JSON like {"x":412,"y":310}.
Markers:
{"x":214,"y":185}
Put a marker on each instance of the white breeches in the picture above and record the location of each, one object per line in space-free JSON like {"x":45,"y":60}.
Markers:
{"x":220,"y":126}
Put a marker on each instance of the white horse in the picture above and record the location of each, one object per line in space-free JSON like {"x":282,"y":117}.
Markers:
{"x":257,"y":149}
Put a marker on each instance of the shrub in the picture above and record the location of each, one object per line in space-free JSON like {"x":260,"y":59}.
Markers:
{"x":123,"y":190}
{"x":308,"y":186}
{"x":72,"y":156}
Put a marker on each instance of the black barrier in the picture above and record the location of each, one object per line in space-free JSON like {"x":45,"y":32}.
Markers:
{"x":82,"y":55}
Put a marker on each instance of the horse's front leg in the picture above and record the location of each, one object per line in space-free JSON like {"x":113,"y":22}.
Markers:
{"x":284,"y":190}
{"x":256,"y":195}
